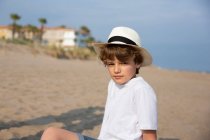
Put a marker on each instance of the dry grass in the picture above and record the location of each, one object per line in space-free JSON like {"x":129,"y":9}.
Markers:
{"x":72,"y":53}
{"x":84,"y":53}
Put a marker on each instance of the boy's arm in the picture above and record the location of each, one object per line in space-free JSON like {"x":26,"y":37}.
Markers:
{"x":149,"y":135}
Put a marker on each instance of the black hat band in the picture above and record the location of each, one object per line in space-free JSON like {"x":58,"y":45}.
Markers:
{"x":121,"y":39}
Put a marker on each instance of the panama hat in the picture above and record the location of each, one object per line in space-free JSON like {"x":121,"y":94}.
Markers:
{"x":126,"y":36}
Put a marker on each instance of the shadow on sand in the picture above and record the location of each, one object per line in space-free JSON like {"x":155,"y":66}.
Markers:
{"x":85,"y":118}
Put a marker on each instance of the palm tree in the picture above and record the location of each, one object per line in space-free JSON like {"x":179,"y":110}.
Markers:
{"x":14,"y":17}
{"x":19,"y":31}
{"x":31,"y":32}
{"x":35,"y":31}
{"x":42,"y":21}
{"x":85,"y":37}
{"x":62,"y":26}
{"x":84,"y":30}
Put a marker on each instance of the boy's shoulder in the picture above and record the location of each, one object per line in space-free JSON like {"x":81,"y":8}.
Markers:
{"x":139,"y":82}
{"x":141,"y":85}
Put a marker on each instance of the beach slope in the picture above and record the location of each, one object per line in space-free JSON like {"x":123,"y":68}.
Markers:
{"x":38,"y":91}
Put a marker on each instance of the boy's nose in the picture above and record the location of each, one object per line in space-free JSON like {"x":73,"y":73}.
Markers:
{"x":117,"y":69}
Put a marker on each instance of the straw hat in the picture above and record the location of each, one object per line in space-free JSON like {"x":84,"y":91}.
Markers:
{"x":129,"y":37}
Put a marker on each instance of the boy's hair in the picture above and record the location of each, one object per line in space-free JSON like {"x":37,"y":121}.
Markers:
{"x":122,"y":52}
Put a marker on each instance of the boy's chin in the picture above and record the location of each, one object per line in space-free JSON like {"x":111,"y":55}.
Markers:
{"x":119,"y":82}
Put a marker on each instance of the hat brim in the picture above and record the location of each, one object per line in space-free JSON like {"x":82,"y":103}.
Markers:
{"x":147,"y":58}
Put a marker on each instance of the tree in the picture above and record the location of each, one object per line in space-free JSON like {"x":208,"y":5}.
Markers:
{"x":62,"y":26}
{"x":42,"y":21}
{"x":85,"y":37}
{"x":84,"y":30}
{"x":31,"y":32}
{"x":14,"y":17}
{"x":19,"y":31}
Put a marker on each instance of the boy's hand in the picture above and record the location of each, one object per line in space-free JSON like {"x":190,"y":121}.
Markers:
{"x":149,"y":135}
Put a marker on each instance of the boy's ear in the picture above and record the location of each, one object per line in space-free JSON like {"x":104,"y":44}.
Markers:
{"x":138,"y":66}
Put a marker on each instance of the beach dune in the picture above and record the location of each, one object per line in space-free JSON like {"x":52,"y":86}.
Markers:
{"x":38,"y":91}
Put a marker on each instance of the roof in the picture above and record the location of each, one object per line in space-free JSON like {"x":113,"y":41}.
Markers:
{"x":59,"y":28}
{"x":46,"y":28}
{"x":5,"y":27}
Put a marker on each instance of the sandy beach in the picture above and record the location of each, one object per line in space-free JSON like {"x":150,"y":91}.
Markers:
{"x":38,"y":91}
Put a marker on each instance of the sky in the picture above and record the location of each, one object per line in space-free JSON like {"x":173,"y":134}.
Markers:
{"x":176,"y":32}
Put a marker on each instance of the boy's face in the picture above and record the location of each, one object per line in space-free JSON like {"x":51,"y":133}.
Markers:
{"x":122,"y":72}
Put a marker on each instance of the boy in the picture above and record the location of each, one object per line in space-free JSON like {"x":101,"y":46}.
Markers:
{"x":130,"y":111}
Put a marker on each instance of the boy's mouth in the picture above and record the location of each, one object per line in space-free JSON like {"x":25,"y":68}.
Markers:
{"x":117,"y":77}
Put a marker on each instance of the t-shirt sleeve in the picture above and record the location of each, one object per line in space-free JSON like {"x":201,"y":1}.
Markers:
{"x":146,"y":108}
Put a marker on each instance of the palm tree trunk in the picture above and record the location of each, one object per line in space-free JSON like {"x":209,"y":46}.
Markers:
{"x":13,"y":31}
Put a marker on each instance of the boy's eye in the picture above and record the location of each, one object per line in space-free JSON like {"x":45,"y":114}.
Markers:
{"x":110,"y":64}
{"x":124,"y":63}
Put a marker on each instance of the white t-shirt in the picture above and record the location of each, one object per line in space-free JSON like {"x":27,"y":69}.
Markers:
{"x":130,"y":108}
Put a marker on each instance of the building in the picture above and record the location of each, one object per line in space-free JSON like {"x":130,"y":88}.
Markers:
{"x":6,"y":32}
{"x":60,"y":37}
{"x":52,"y":36}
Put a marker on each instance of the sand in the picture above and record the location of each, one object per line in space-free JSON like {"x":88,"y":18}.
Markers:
{"x":38,"y":91}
